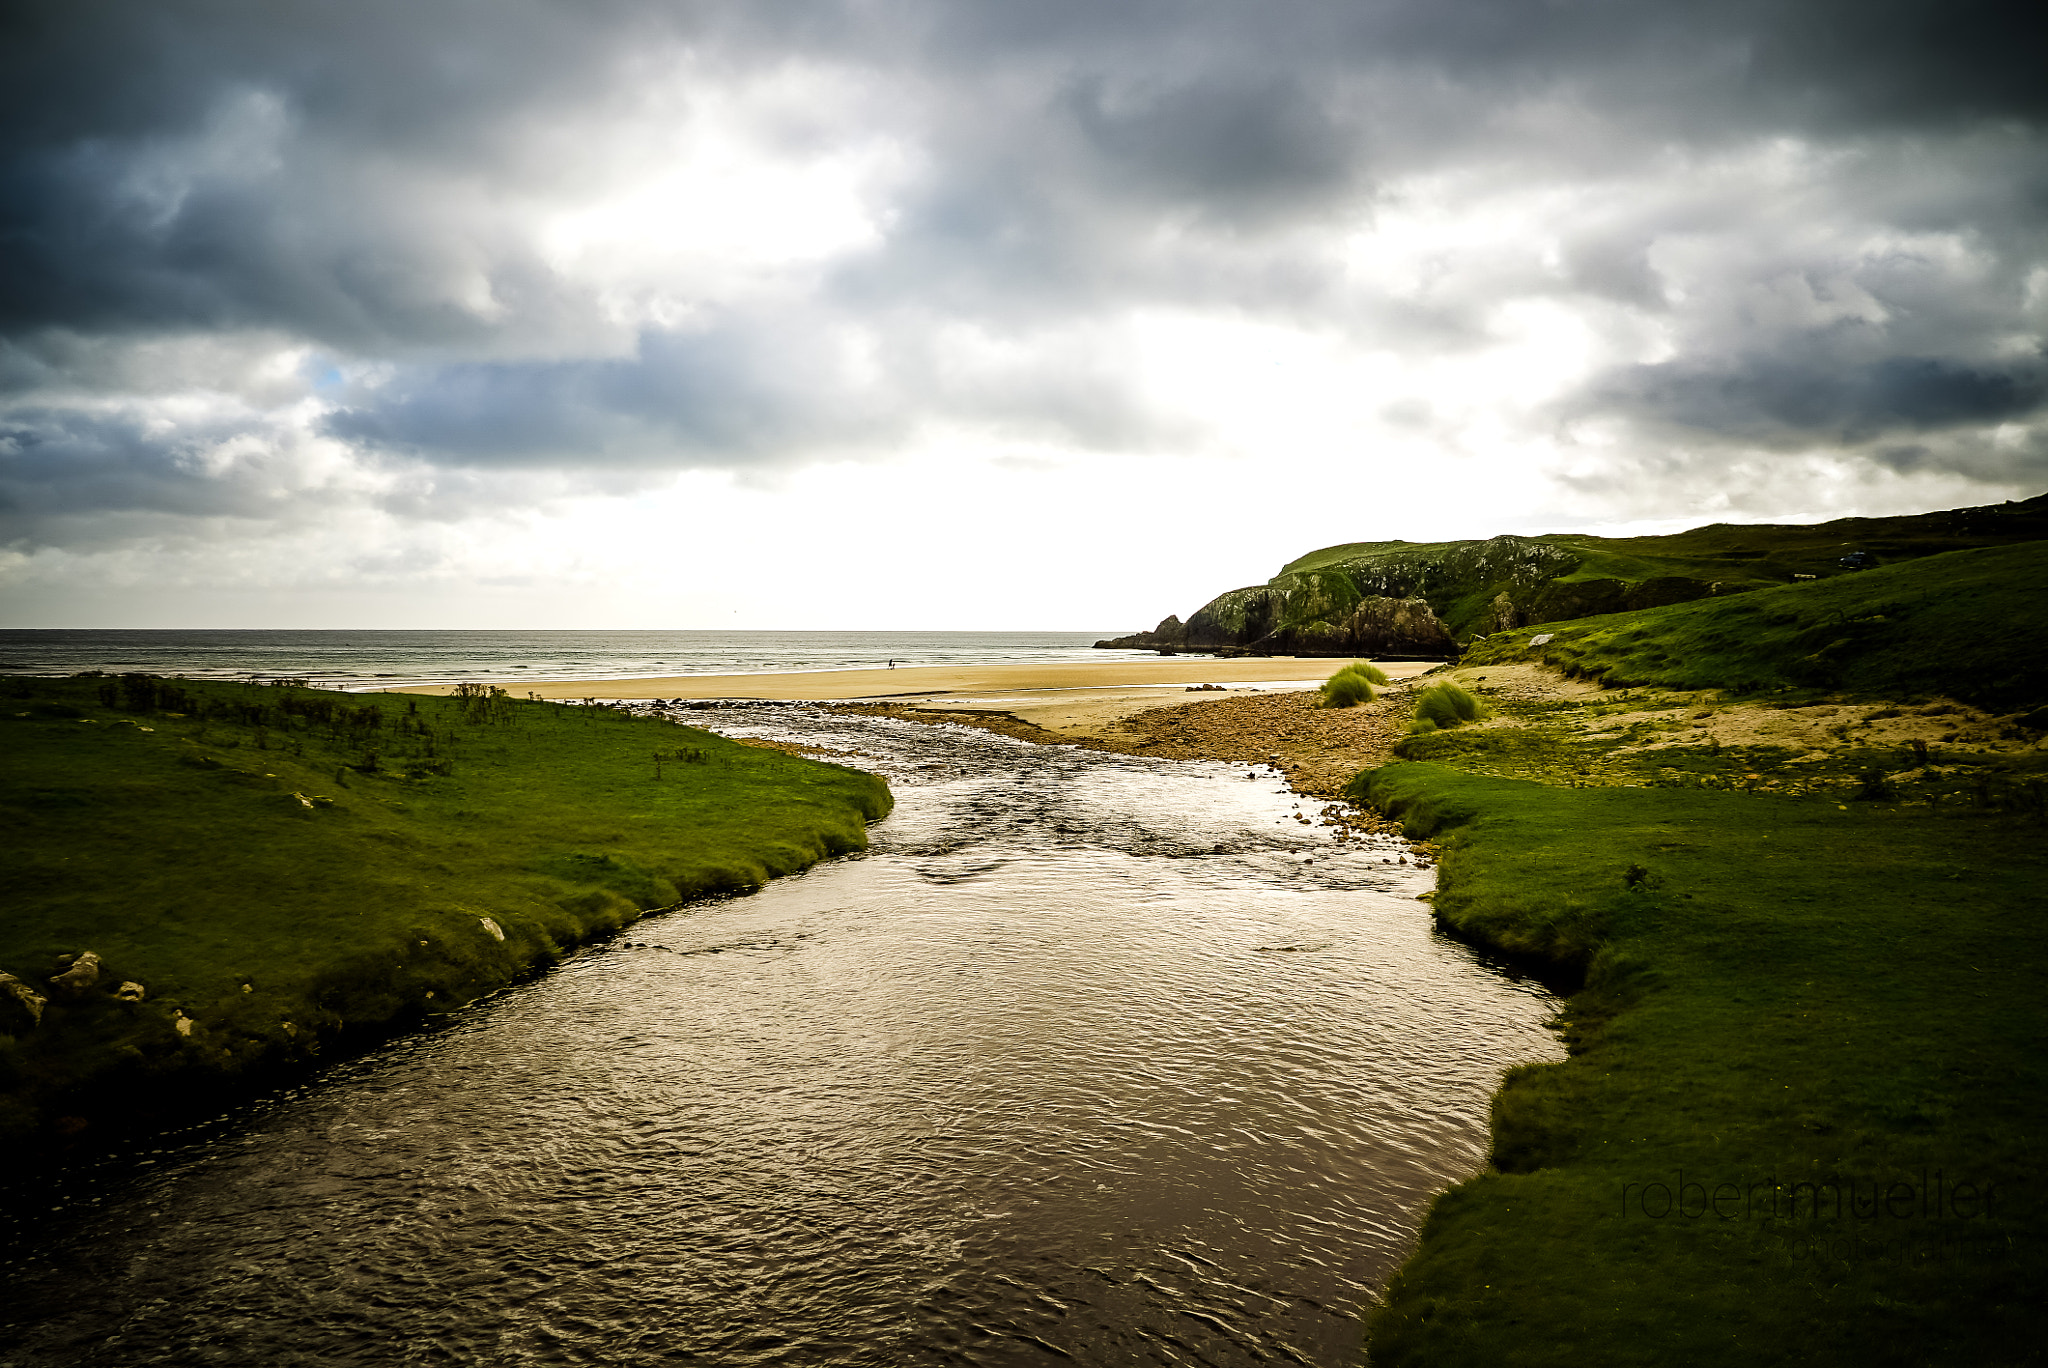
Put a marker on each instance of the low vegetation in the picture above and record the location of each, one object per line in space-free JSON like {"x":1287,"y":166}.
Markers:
{"x":258,"y":872}
{"x":1801,"y":1117}
{"x":1358,"y":682}
{"x":1443,"y":706}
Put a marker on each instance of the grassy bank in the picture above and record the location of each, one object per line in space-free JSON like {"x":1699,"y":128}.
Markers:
{"x":276,"y":868}
{"x":1965,"y":623}
{"x":1803,"y":1116}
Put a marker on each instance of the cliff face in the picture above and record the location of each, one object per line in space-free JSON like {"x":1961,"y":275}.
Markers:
{"x":1430,"y":599}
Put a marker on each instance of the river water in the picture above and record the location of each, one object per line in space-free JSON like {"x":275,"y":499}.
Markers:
{"x":1089,"y":1059}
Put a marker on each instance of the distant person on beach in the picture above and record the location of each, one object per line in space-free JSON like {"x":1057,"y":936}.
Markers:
{"x":892,"y":664}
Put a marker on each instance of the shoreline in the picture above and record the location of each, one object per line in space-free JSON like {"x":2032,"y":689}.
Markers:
{"x":1138,"y":707}
{"x":930,"y":681}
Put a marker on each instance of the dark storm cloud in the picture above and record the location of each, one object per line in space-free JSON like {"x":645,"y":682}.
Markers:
{"x":681,"y":399}
{"x":215,"y":165}
{"x":1259,"y":145}
{"x":358,"y":179}
{"x":1903,"y":62}
{"x":59,"y":463}
{"x":1779,"y":400}
{"x":722,"y":398}
{"x":1231,"y":106}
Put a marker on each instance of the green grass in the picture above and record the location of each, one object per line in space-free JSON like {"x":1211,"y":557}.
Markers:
{"x":1777,"y":990}
{"x":1356,"y":683}
{"x":1749,"y":552}
{"x":287,"y":867}
{"x":1444,"y":706}
{"x":1969,"y":624}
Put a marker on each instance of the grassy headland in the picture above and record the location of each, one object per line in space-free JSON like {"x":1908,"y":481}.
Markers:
{"x":278,"y":867}
{"x":1430,"y":598}
{"x":1805,"y":1108}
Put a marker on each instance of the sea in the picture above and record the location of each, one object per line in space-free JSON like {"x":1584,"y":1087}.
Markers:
{"x":355,"y":660}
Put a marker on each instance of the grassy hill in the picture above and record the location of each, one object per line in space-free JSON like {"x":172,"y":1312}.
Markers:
{"x":270,"y":870}
{"x":1969,"y":624}
{"x":1410,"y":598}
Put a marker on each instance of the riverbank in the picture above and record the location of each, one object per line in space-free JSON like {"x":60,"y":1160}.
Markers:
{"x":1800,"y":1119}
{"x":228,"y":880}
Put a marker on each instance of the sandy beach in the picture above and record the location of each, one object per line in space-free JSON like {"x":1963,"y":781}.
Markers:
{"x":1079,"y":699}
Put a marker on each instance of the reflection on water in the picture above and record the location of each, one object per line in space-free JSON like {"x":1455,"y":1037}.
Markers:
{"x":1090,"y":1059}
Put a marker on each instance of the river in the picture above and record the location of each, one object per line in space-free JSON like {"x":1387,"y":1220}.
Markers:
{"x":1089,"y":1059}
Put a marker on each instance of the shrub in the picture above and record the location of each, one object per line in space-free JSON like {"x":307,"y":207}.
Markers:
{"x":1444,"y":706}
{"x":1354,"y":684}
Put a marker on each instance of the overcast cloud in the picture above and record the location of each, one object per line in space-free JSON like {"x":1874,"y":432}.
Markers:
{"x":670,"y":314}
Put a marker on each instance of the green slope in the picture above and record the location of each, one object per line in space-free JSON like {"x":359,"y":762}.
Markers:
{"x":1969,"y":624}
{"x":1741,"y":554}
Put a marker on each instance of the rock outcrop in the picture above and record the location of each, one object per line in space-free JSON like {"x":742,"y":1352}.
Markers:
{"x":1387,"y":604}
{"x":83,"y":974}
{"x":20,"y":1004}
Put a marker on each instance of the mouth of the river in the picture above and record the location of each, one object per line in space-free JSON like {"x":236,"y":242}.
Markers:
{"x":1090,"y":1058}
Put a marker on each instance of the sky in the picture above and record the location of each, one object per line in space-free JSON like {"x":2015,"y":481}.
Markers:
{"x":977,"y":314}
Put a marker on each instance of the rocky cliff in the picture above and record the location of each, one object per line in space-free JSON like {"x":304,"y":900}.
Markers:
{"x":1431,"y":599}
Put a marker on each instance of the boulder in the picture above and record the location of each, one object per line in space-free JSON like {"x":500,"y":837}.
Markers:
{"x":83,"y":974}
{"x":18,"y":1000}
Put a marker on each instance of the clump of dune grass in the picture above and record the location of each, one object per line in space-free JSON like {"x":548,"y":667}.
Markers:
{"x":1356,"y":683}
{"x":1443,"y":706}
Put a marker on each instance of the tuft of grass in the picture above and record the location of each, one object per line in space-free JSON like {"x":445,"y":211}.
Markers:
{"x":286,"y":869}
{"x":1356,"y":683}
{"x":1441,"y":707}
